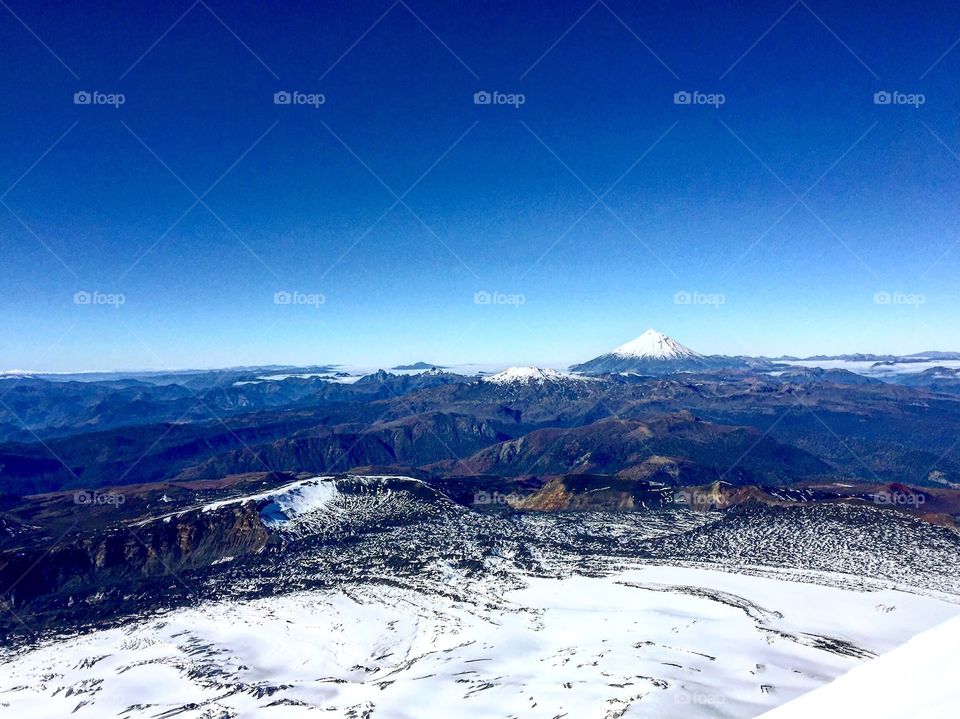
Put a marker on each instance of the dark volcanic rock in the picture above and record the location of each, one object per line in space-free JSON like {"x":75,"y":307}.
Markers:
{"x":130,"y":554}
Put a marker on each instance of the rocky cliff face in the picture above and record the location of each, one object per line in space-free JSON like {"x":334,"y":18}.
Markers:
{"x":129,"y":554}
{"x":596,"y":493}
{"x":606,"y":493}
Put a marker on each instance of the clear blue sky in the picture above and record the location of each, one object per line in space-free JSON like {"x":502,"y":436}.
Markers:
{"x":711,"y":208}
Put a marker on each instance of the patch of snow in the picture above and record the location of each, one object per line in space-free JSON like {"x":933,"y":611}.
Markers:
{"x":295,"y":501}
{"x":16,"y":374}
{"x":538,"y":375}
{"x":917,"y":679}
{"x":287,"y":502}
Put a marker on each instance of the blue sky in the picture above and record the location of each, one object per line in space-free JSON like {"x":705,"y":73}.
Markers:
{"x":788,"y":216}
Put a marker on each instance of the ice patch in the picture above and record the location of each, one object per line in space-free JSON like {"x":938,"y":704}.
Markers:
{"x":294,"y":501}
{"x":286,"y":503}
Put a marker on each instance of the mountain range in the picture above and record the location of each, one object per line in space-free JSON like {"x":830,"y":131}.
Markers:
{"x":652,"y":352}
{"x":136,"y":511}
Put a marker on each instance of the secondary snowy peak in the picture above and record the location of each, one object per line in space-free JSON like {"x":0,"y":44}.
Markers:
{"x":15,"y":373}
{"x":538,"y":375}
{"x":655,"y":345}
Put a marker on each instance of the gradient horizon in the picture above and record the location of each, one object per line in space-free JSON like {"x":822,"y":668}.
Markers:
{"x":405,"y":222}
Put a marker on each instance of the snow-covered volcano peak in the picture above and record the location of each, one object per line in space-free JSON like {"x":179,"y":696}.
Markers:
{"x":654,"y":345}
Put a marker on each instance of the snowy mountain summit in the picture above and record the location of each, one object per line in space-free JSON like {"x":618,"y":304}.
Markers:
{"x":653,"y":353}
{"x":655,"y":345}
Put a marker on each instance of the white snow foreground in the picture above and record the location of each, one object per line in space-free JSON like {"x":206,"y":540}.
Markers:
{"x":917,"y":679}
{"x":649,"y":641}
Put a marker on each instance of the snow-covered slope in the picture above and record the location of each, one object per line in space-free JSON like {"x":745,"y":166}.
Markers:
{"x":288,"y":501}
{"x":917,"y":679}
{"x":292,"y":504}
{"x":654,"y":345}
{"x":654,"y":353}
{"x":537,"y":375}
{"x":380,"y":596}
{"x":648,"y":641}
